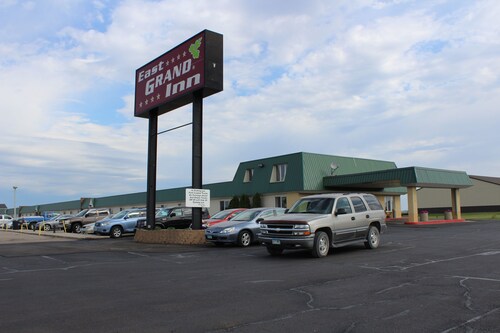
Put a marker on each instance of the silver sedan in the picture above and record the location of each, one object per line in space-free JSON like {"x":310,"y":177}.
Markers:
{"x":242,"y":229}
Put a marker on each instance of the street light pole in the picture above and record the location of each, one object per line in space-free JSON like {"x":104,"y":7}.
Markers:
{"x":15,"y":212}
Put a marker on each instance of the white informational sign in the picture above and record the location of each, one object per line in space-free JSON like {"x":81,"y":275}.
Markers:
{"x":197,"y":198}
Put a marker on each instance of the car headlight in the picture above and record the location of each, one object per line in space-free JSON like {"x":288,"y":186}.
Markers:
{"x":301,"y":226}
{"x":104,"y":223}
{"x":302,"y":230}
{"x":227,"y":230}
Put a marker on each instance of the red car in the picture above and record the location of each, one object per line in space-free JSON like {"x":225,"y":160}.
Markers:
{"x":222,"y":216}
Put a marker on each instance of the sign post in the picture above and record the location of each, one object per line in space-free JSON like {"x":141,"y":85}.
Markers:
{"x":186,"y":74}
{"x":152,"y":158}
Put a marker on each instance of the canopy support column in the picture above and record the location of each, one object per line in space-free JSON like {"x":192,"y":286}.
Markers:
{"x":412,"y":204}
{"x":456,"y":208}
{"x":397,"y":206}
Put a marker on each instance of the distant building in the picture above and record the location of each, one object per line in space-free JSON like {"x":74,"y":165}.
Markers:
{"x":482,"y":196}
{"x":281,"y":180}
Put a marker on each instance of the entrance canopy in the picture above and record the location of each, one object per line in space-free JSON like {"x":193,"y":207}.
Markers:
{"x":410,"y":176}
{"x":388,"y":181}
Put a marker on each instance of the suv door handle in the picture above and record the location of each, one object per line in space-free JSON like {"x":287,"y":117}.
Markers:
{"x":353,"y":218}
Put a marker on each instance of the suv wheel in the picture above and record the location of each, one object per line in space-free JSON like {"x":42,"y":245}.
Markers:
{"x":373,"y":238}
{"x":76,"y":228}
{"x":116,"y":232}
{"x":321,"y":244}
{"x":244,"y":238}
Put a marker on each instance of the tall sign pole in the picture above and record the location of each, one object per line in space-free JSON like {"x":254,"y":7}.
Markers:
{"x":152,"y":160}
{"x":186,"y":74}
{"x":197,"y":153}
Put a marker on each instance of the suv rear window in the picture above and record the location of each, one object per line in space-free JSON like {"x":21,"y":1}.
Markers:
{"x":373,"y":203}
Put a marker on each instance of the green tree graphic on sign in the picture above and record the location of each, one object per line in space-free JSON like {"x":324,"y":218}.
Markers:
{"x":193,"y":48}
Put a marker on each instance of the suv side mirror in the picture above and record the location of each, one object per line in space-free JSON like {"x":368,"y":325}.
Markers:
{"x":259,"y":220}
{"x":340,"y":211}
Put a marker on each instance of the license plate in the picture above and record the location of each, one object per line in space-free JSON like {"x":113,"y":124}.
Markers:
{"x":209,"y":237}
{"x":276,"y":242}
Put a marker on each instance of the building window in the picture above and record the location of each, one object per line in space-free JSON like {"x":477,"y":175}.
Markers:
{"x":223,"y":204}
{"x":280,"y":202}
{"x":388,"y":204}
{"x":248,"y":175}
{"x":279,"y":173}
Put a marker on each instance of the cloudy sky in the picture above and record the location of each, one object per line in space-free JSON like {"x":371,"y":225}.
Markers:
{"x":410,"y":81}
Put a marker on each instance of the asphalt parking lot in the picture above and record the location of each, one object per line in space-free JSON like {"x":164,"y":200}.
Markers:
{"x":443,"y":278}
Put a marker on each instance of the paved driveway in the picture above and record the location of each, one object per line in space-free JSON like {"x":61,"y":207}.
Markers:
{"x":422,"y":279}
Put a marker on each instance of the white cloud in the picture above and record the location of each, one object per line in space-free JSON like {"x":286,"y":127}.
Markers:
{"x":397,"y":80}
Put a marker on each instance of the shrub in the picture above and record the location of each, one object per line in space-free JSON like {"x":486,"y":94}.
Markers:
{"x":234,"y":203}
{"x":256,"y":200}
{"x":245,"y":201}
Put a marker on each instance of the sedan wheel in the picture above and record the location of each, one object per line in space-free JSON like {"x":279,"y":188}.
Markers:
{"x":244,"y":238}
{"x":116,"y":232}
{"x":46,"y":227}
{"x":373,"y":238}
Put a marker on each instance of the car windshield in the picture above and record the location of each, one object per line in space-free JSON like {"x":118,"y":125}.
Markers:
{"x":82,"y":213}
{"x":313,"y":206}
{"x":246,"y":215}
{"x":222,"y":214}
{"x":120,"y":215}
{"x":163,"y":212}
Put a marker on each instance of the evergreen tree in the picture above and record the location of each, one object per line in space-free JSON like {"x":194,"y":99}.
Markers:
{"x":234,"y":203}
{"x":245,"y":201}
{"x":256,"y":200}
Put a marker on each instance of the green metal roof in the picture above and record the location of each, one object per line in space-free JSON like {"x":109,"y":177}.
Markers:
{"x":306,"y":172}
{"x":317,"y":166}
{"x":410,"y":176}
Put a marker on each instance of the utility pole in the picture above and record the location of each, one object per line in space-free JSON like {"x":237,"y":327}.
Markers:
{"x":15,"y":212}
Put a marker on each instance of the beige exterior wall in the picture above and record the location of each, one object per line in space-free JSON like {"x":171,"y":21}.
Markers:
{"x":480,"y":194}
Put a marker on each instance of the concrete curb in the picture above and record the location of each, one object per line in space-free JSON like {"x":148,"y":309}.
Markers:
{"x":430,"y":222}
{"x":434,"y":222}
{"x":55,"y":234}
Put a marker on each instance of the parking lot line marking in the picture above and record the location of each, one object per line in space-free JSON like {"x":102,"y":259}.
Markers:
{"x":471,"y":321}
{"x":476,"y":278}
{"x":264,"y":281}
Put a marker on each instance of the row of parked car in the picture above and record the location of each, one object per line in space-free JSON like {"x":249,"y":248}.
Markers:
{"x":316,"y":223}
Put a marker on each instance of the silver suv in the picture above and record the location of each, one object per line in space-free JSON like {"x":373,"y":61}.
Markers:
{"x":86,"y":216}
{"x":324,"y":221}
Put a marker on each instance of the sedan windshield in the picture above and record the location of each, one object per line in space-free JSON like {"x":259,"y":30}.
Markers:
{"x":313,"y":206}
{"x":246,"y":215}
{"x":222,"y":214}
